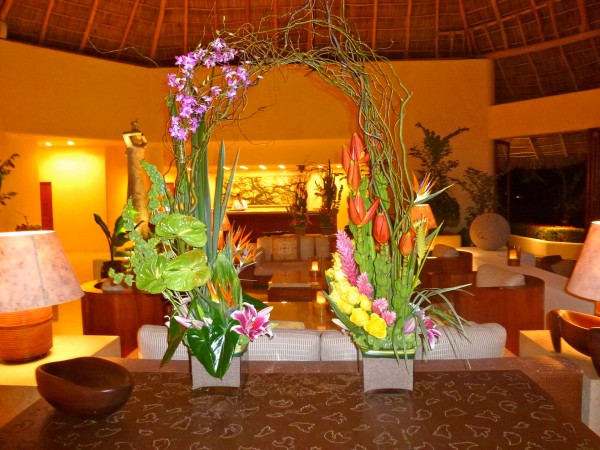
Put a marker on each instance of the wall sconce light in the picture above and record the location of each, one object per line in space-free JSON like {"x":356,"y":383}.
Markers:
{"x":513,"y":255}
{"x":34,"y":275}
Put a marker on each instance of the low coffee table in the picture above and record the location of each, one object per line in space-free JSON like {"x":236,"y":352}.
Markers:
{"x":293,"y":286}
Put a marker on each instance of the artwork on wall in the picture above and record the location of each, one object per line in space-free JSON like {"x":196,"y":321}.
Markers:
{"x":265,"y":191}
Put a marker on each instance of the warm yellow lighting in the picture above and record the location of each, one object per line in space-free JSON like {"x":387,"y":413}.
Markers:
{"x":263,"y":167}
{"x":226,"y":168}
{"x":244,"y":167}
{"x":321,"y":300}
{"x":314,"y":265}
{"x":48,"y":144}
{"x":320,"y":166}
{"x":338,"y":166}
{"x":70,"y":143}
{"x":281,"y":166}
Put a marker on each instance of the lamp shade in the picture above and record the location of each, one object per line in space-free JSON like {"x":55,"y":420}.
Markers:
{"x":34,"y":271}
{"x":419,"y":212}
{"x":585,"y":279}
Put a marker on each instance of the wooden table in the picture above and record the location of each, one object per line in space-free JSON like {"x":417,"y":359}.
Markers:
{"x":321,"y":405}
{"x":294,"y":286}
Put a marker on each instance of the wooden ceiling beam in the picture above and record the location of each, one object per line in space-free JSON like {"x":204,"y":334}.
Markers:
{"x":585,"y":25}
{"x":186,"y":21}
{"x":533,"y":148}
{"x":543,"y":45}
{"x":5,"y":9}
{"x":500,"y":25}
{"x":536,"y":74}
{"x":88,"y":26}
{"x":498,"y":65}
{"x":159,"y":22}
{"x":374,"y":24}
{"x":468,"y":37}
{"x":129,"y":25}
{"x":46,"y":20}
{"x":538,"y":20}
{"x":563,"y":145}
{"x":407,"y":35}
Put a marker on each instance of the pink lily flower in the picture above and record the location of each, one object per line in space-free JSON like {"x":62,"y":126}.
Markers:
{"x":252,"y":324}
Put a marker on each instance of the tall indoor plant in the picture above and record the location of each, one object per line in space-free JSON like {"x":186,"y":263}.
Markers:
{"x":182,"y":259}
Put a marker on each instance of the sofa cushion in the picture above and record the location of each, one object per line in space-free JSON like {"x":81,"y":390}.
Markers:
{"x":307,"y":247}
{"x":286,"y":345}
{"x":285,"y":248}
{"x":322,"y":249}
{"x":266,"y":243}
{"x":269,"y":268}
{"x":444,"y":251}
{"x":337,"y":346}
{"x":489,"y":275}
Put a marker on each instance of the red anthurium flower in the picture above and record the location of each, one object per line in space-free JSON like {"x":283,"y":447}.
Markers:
{"x":352,"y":159}
{"x":357,"y":211}
{"x":381,"y":229}
{"x":407,"y":243}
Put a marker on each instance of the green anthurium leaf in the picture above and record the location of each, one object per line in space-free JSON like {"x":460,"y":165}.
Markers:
{"x":187,"y":271}
{"x":176,"y":335}
{"x":214,"y":346}
{"x":149,"y":275}
{"x":187,"y":228}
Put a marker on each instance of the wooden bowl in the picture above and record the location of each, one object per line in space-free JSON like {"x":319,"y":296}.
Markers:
{"x":86,"y":387}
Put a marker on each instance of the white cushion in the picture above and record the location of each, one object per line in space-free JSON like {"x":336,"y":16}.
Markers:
{"x":337,"y":346}
{"x":285,"y":249}
{"x":322,"y":249}
{"x":266,"y":243}
{"x":484,"y":340}
{"x":489,"y":275}
{"x":444,"y":251}
{"x":307,"y":247}
{"x":152,"y":343}
{"x":285,"y":345}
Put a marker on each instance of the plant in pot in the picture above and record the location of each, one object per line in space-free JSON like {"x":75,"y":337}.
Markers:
{"x":331,"y":197}
{"x":117,"y":238}
{"x":182,"y":258}
{"x":299,"y":204}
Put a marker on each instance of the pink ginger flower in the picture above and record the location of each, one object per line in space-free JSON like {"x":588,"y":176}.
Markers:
{"x":363,"y":285}
{"x":346,"y":252}
{"x":389,"y":317}
{"x":379,"y":306}
{"x":252,"y":324}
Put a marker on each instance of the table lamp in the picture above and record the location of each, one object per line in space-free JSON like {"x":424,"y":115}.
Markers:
{"x":585,"y":279}
{"x":419,"y":212}
{"x":34,"y":275}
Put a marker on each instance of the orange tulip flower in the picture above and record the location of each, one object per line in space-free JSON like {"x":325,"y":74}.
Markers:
{"x":407,"y":243}
{"x":381,"y":229}
{"x":357,"y":211}
{"x":352,"y":159}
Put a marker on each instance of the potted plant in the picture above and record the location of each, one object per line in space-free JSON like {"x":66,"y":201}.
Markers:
{"x":117,"y":238}
{"x":299,"y":204}
{"x":182,"y":259}
{"x":5,"y":168}
{"x":331,"y":196}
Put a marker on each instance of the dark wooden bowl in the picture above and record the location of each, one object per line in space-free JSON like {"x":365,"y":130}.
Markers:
{"x":86,"y":387}
{"x":581,"y":331}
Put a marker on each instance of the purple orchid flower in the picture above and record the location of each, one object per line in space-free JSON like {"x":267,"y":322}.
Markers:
{"x":252,"y":324}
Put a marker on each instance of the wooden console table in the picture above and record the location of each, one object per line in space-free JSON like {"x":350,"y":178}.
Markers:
{"x":261,"y":223}
{"x":321,"y":405}
{"x":294,"y":285}
{"x":120,"y":313}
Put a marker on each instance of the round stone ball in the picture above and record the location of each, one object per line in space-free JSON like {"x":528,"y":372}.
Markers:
{"x":489,"y":231}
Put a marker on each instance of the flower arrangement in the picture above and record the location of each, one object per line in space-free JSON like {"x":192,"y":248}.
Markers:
{"x":373,"y":282}
{"x":299,"y":204}
{"x":182,"y":259}
{"x":330,"y":195}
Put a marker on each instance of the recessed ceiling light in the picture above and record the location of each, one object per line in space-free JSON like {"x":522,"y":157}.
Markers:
{"x":48,"y":144}
{"x":243,"y":167}
{"x":338,"y":166}
{"x":320,"y":166}
{"x":281,"y":166}
{"x":226,"y":168}
{"x":263,"y":167}
{"x":70,"y":143}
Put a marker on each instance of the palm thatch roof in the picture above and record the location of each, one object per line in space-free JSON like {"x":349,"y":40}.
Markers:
{"x":539,"y":47}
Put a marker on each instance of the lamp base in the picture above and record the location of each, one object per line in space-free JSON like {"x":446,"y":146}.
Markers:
{"x":25,"y":335}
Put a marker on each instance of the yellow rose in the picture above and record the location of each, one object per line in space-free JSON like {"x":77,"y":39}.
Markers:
{"x":359,"y":317}
{"x":353,"y":296}
{"x":365,"y":303}
{"x":346,"y":308}
{"x":376,"y":326}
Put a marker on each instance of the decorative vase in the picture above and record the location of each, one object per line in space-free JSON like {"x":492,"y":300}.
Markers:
{"x":232,"y":378}
{"x":300,"y":231}
{"x":382,"y":372}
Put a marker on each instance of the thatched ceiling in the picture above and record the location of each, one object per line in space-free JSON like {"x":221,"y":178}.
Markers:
{"x":539,"y":47}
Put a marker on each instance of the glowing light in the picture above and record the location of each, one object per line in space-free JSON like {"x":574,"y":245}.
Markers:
{"x":70,"y":143}
{"x":226,"y":168}
{"x":281,"y":166}
{"x":263,"y":167}
{"x":244,"y":167}
{"x":48,"y":144}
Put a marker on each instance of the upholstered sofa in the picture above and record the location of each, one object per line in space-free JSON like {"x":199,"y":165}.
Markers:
{"x":485,"y":340}
{"x":288,"y":252}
